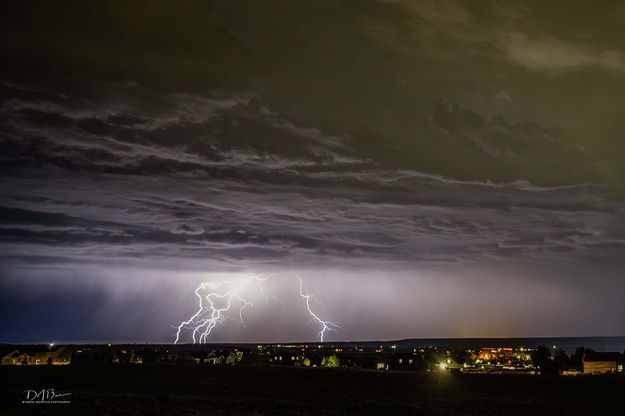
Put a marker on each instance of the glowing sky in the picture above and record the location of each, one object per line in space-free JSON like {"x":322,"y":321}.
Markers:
{"x":430,"y":168}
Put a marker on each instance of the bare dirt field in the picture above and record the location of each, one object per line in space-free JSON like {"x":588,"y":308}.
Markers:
{"x":203,"y":390}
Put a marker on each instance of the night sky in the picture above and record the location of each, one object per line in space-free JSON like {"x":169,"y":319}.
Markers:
{"x":428,"y":168}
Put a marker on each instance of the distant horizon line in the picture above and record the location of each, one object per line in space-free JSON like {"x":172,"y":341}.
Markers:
{"x":126,"y":342}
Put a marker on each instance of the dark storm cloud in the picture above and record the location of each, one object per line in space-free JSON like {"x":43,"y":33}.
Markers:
{"x":223,"y":177}
{"x":478,"y":140}
{"x":226,"y":135}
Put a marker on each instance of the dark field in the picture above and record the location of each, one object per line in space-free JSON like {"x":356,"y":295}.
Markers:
{"x":200,"y":390}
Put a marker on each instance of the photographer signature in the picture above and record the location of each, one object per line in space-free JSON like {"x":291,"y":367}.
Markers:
{"x":45,"y":396}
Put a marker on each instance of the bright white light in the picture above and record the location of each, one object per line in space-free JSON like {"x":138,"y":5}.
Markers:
{"x":325,"y":325}
{"x":215,"y":299}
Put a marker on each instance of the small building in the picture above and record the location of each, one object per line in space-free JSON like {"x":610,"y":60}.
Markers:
{"x":214,"y":358}
{"x":184,"y":358}
{"x":15,"y":358}
{"x":403,"y":361}
{"x":234,"y":357}
{"x":602,"y":362}
{"x":449,"y":365}
{"x":570,"y":372}
{"x":61,"y":356}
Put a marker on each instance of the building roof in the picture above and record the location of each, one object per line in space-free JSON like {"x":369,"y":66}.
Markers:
{"x":33,"y":348}
{"x":603,"y":356}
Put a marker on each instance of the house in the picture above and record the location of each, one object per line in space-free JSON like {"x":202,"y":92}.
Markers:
{"x":178,"y":357}
{"x":234,"y":357}
{"x":184,"y":358}
{"x":15,"y":358}
{"x":449,"y":365}
{"x":403,"y":361}
{"x":126,"y":356}
{"x":30,"y":356}
{"x":214,"y":358}
{"x":602,"y":362}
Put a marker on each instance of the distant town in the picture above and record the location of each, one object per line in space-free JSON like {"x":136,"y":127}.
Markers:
{"x":364,"y":356}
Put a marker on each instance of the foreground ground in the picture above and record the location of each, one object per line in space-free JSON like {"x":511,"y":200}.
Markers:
{"x":201,"y":390}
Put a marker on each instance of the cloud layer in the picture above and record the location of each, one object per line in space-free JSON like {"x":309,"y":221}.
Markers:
{"x":452,"y":158}
{"x":223,"y":177}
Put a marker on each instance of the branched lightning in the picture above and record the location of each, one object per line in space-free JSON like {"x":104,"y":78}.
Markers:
{"x":216,"y":300}
{"x":209,"y":314}
{"x":325,"y":325}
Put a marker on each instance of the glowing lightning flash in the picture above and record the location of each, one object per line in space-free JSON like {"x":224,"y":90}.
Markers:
{"x":325,"y":325}
{"x":214,"y":305}
{"x":216,"y":299}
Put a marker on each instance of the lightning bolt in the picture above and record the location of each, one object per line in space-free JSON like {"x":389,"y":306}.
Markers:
{"x":325,"y":325}
{"x":216,"y":300}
